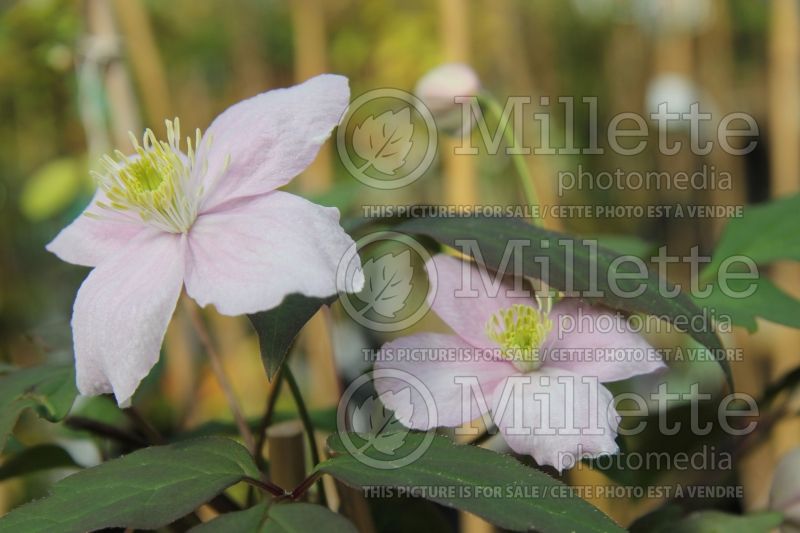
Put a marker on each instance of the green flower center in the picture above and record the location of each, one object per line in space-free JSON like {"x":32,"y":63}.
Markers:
{"x":520,"y":331}
{"x":157,"y":185}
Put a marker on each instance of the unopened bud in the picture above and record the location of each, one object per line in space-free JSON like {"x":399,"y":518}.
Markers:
{"x":439,"y":88}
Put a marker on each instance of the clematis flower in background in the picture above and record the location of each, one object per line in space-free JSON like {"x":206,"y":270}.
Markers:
{"x":209,"y":218}
{"x":541,"y":385}
{"x":438,"y":89}
{"x":784,"y":495}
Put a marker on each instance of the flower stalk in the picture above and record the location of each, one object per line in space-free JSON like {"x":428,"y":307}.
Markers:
{"x":490,"y":105}
{"x":307,"y":424}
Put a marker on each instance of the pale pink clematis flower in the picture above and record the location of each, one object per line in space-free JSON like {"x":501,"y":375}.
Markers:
{"x":439,"y":89}
{"x":208,"y":218}
{"x":539,"y":384}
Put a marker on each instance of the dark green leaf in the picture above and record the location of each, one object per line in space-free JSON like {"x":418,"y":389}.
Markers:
{"x":667,"y":514}
{"x":408,"y":515}
{"x":49,"y":389}
{"x":494,"y":234}
{"x":767,"y":302}
{"x":144,"y":490}
{"x":277,"y":328}
{"x":718,"y":522}
{"x":35,"y":459}
{"x":251,"y":520}
{"x":493,"y":486}
{"x":627,"y":245}
{"x":764,"y":233}
{"x":280,"y":518}
{"x":711,"y":522}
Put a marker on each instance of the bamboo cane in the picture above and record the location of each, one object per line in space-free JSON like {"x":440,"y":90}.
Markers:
{"x":784,"y":107}
{"x":142,"y":50}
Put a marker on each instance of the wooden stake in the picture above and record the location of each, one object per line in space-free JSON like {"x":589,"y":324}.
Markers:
{"x":286,"y":451}
{"x":146,"y":62}
{"x":124,"y":109}
{"x":784,"y":107}
{"x":460,"y":181}
{"x":354,"y":506}
{"x":310,"y":48}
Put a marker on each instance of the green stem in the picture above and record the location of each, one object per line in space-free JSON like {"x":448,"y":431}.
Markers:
{"x":528,"y":187}
{"x":101,"y":429}
{"x":272,"y":400}
{"x":306,"y":420}
{"x":148,"y":430}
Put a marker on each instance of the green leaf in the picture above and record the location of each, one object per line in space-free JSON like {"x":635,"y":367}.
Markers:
{"x":718,"y":522}
{"x":408,"y":515}
{"x":279,"y":518}
{"x":627,"y":245}
{"x":709,"y":522}
{"x":767,"y":302}
{"x":666,"y":514}
{"x":385,"y":433}
{"x":493,"y":235}
{"x":251,"y":520}
{"x":35,"y":459}
{"x":764,"y":233}
{"x":495,"y":487}
{"x":147,"y":489}
{"x":277,"y":328}
{"x":49,"y":389}
{"x":52,"y":188}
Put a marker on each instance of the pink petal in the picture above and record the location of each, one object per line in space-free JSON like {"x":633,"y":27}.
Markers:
{"x":466,"y":306}
{"x":580,"y":419}
{"x":246,"y":258}
{"x":121,"y":314}
{"x":592,"y":341}
{"x":784,"y":495}
{"x":89,"y":239}
{"x":436,"y":360}
{"x":270,"y":138}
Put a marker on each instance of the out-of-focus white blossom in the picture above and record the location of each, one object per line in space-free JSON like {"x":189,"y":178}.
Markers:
{"x":785,"y":493}
{"x":439,"y":88}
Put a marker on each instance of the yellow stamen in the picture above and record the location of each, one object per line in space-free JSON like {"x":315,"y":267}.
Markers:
{"x":158,"y":184}
{"x":520,"y":331}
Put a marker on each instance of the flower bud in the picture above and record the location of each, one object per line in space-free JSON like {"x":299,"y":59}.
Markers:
{"x":785,"y":493}
{"x":439,"y":87}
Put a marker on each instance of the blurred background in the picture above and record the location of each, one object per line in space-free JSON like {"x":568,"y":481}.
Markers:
{"x":77,"y":75}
